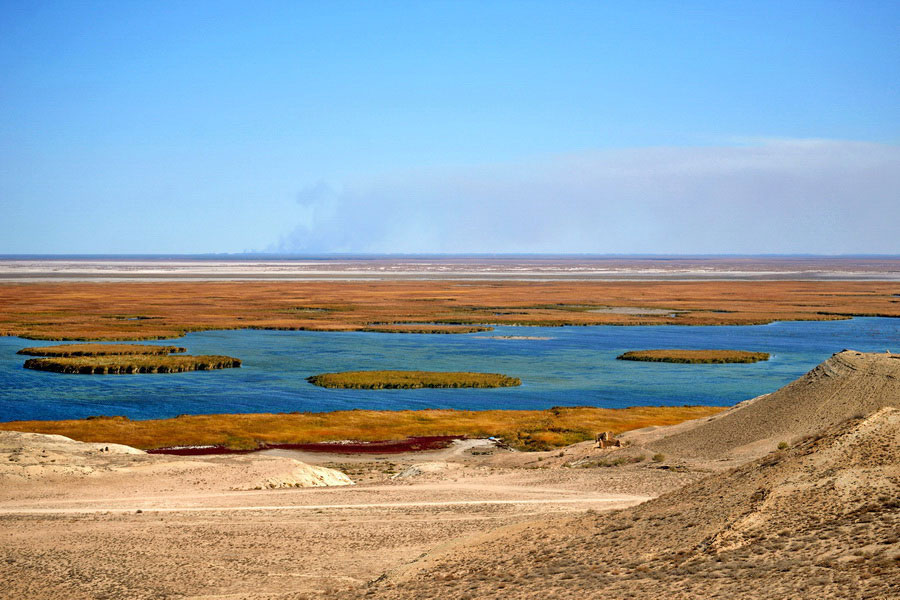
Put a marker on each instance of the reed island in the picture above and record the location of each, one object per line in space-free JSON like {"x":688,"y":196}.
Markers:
{"x":706,"y":357}
{"x":118,"y":359}
{"x":408,"y":380}
{"x":99,"y":350}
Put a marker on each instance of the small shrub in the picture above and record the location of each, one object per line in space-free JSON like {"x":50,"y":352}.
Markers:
{"x":783,"y":446}
{"x":659,"y":457}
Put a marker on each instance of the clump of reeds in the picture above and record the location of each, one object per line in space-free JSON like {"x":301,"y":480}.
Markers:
{"x":131,"y":363}
{"x":402,"y":328}
{"x":406,"y":380}
{"x":99,"y":350}
{"x":695,"y":356}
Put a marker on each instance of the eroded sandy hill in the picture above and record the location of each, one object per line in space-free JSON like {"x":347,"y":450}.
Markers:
{"x":818,"y":520}
{"x":846,"y":385}
{"x":31,"y":460}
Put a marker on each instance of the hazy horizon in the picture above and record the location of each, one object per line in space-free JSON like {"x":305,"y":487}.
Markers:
{"x":438,"y":255}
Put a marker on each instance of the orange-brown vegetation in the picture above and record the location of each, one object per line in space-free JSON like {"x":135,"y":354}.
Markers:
{"x":99,"y":350}
{"x":425,"y":328}
{"x":524,"y":429}
{"x":94,"y":311}
{"x":119,"y":364}
{"x":695,"y":356}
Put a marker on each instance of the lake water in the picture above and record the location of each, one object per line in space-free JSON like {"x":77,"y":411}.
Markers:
{"x":576,"y":366}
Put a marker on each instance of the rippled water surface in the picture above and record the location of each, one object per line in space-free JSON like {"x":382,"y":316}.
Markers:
{"x":575,"y":366}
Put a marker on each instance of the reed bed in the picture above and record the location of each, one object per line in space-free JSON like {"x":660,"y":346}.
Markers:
{"x":695,"y":356}
{"x":426,"y":328}
{"x":94,"y":311}
{"x":522,"y":429}
{"x":99,"y":350}
{"x":408,"y":380}
{"x":130,"y":364}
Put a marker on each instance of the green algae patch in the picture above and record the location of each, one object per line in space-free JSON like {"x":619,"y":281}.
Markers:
{"x":408,"y":380}
{"x":695,"y":356}
{"x":100,"y":350}
{"x":130,"y":363}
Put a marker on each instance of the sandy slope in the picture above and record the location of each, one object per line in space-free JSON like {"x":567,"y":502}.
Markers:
{"x":820,"y":520}
{"x":847,"y":384}
{"x":144,"y":526}
{"x":31,"y":461}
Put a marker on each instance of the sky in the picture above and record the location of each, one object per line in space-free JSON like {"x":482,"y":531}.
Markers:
{"x":633,"y":127}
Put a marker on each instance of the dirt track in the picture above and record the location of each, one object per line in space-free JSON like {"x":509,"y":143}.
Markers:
{"x":245,"y":501}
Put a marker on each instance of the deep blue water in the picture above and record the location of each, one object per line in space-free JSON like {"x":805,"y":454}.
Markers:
{"x":576,"y":366}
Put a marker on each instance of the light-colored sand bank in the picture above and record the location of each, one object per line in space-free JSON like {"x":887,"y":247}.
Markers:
{"x":514,"y":268}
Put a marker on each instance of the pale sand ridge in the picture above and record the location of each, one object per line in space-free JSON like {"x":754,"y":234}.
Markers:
{"x":848,"y":384}
{"x":819,"y":520}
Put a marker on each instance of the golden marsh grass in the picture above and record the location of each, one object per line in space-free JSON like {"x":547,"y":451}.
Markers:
{"x":695,"y":356}
{"x":130,"y":363}
{"x":99,"y":350}
{"x":523,"y":429}
{"x":407,"y":380}
{"x":93,"y":310}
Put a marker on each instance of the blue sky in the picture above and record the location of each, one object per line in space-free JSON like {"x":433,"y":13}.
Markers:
{"x":628,"y":127}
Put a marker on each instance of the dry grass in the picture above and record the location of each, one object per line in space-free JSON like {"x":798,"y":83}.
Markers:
{"x":411,"y":328}
{"x":94,"y":311}
{"x":524,"y":429}
{"x":695,"y":356}
{"x":99,"y":350}
{"x":407,"y":380}
{"x":130,"y":363}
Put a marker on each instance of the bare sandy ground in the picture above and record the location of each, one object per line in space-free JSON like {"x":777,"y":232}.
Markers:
{"x":720,"y":514}
{"x":817,"y":520}
{"x":113,"y":524}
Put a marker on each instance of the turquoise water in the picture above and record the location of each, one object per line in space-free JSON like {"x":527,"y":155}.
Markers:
{"x":576,"y":366}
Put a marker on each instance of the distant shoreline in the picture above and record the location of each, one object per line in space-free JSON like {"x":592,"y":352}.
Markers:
{"x":75,"y":268}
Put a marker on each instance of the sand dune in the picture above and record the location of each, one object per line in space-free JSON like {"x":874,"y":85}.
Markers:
{"x":818,"y":520}
{"x":34,"y":461}
{"x":847,"y":384}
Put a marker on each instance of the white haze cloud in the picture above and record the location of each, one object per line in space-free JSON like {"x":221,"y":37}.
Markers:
{"x":775,"y":196}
